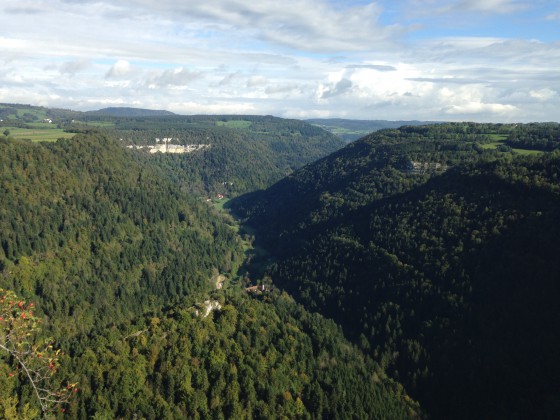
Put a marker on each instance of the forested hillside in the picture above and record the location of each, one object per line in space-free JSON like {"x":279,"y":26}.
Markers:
{"x":129,"y":112}
{"x":437,"y":252}
{"x":101,"y":234}
{"x":245,"y":153}
{"x":119,"y":261}
{"x":238,"y":154}
{"x":433,"y":249}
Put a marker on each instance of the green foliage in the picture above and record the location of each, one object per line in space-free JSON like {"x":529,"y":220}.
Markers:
{"x":98,"y":236}
{"x":438,"y":271}
{"x":545,"y":137}
{"x":246,"y":153}
{"x":250,"y":359}
{"x":33,"y":360}
{"x":116,"y":255}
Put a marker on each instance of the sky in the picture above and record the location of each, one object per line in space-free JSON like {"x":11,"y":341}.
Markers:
{"x":444,"y":60}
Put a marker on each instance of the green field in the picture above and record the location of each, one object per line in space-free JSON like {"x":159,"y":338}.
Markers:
{"x":18,"y":112}
{"x":527,"y":151}
{"x":219,"y":204}
{"x":499,"y":139}
{"x":38,"y":134}
{"x":341,"y":131}
{"x":234,"y":123}
{"x":95,"y":123}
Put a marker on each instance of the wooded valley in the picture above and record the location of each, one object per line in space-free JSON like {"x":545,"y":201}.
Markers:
{"x":410,"y":274}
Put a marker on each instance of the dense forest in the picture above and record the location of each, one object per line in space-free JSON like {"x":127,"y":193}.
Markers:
{"x":120,"y":264}
{"x":100,"y":233}
{"x":246,"y":153}
{"x":240,"y":153}
{"x":411,"y":274}
{"x":437,"y":255}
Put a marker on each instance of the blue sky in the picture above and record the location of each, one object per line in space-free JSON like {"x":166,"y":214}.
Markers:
{"x":454,"y":60}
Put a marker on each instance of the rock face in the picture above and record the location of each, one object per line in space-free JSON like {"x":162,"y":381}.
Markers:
{"x":207,"y":307}
{"x":172,"y":148}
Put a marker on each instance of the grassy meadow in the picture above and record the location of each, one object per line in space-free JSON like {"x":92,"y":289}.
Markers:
{"x":38,"y":134}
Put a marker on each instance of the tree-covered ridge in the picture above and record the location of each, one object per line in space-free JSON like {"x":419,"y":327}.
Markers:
{"x":99,"y":234}
{"x":350,"y":130}
{"x":245,"y":152}
{"x":544,"y":137}
{"x":128,"y":112}
{"x":251,"y":359}
{"x":375,"y":167}
{"x":447,"y":278}
{"x":115,"y":257}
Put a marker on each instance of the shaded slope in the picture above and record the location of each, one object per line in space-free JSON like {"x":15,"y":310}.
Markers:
{"x":431,"y":275}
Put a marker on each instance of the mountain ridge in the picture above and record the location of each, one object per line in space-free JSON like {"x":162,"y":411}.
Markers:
{"x":413,"y":265}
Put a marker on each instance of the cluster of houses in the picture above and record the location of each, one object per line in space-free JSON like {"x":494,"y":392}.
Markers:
{"x":256,"y":289}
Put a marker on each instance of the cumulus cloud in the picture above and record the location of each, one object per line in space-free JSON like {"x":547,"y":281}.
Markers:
{"x":120,"y":69}
{"x":290,"y":58}
{"x":341,"y":87}
{"x":479,"y":108}
{"x":75,"y":66}
{"x":543,"y":94}
{"x":174,"y":77}
{"x":256,"y":81}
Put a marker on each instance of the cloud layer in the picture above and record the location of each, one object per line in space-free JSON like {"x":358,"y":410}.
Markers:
{"x":296,"y":58}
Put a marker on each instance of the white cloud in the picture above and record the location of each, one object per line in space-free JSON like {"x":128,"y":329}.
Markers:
{"x":290,"y":58}
{"x":176,"y":77}
{"x":553,"y":16}
{"x":543,"y":94}
{"x":257,"y":81}
{"x":218,"y":107}
{"x":308,"y":25}
{"x":120,"y":69}
{"x":479,"y":108}
{"x":74,"y":66}
{"x":492,"y":6}
{"x":339,"y":88}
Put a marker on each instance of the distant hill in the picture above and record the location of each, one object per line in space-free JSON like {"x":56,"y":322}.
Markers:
{"x":244,"y":153}
{"x":241,"y":152}
{"x":350,"y":130}
{"x":130,"y":112}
